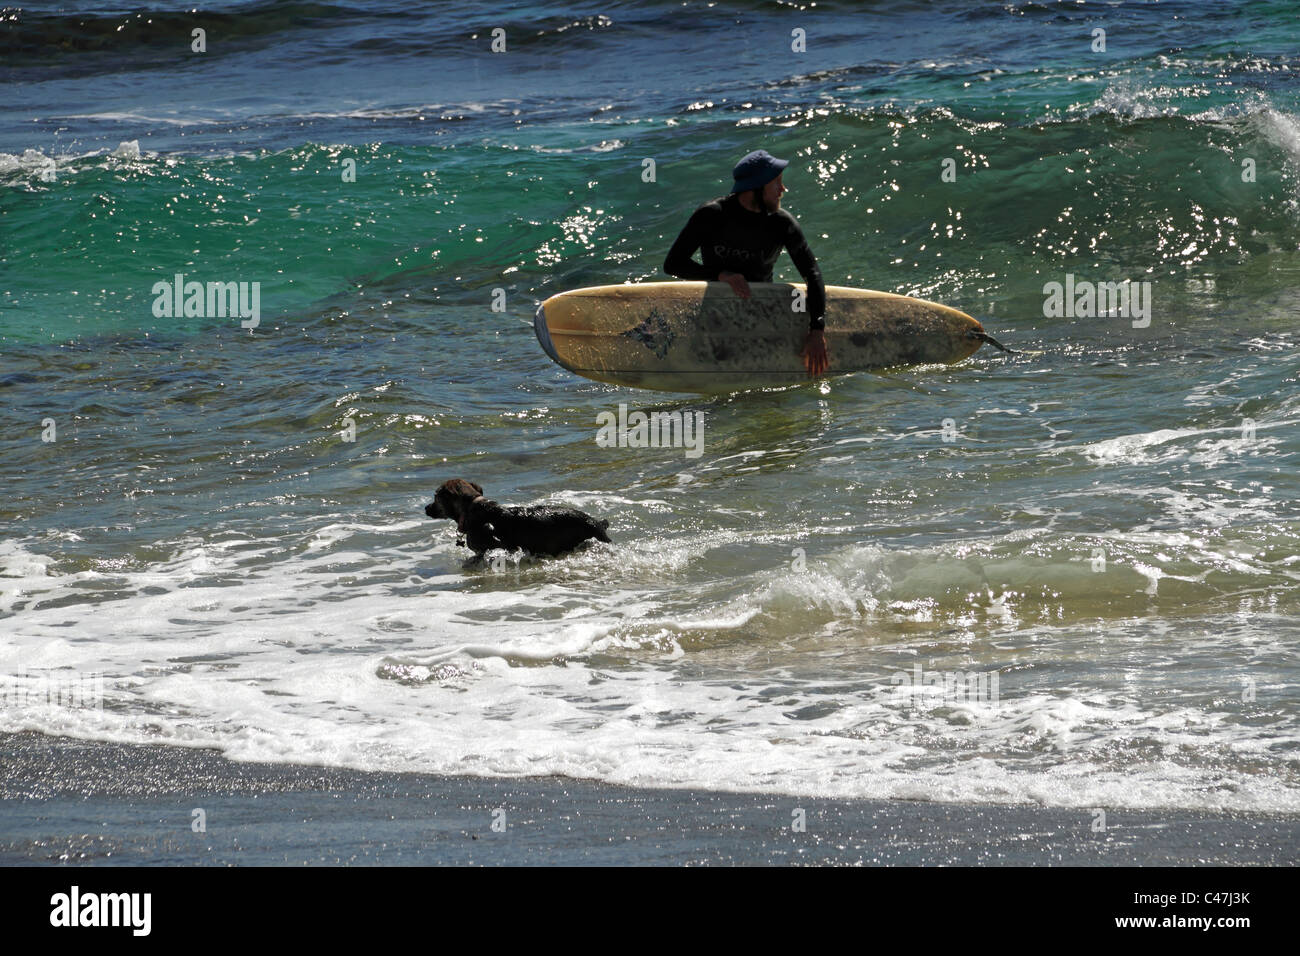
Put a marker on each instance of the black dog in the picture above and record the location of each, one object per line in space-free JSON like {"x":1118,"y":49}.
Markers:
{"x":486,"y":524}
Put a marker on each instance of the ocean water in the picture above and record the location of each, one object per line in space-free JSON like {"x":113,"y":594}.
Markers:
{"x":1066,"y":577}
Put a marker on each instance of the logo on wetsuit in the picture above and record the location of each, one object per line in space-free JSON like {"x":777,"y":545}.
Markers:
{"x":726,"y":253}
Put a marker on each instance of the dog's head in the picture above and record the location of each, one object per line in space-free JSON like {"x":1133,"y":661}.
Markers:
{"x":452,"y":500}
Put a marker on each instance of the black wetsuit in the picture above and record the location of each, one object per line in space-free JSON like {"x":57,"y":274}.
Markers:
{"x":733,"y":239}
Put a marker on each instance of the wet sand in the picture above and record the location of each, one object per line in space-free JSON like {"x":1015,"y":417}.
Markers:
{"x":70,"y":801}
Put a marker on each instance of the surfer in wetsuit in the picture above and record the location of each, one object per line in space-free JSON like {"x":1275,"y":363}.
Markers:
{"x":740,"y":237}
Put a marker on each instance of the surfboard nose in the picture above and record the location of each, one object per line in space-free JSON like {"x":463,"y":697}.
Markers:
{"x":544,"y":334}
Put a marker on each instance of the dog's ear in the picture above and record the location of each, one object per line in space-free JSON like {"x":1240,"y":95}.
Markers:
{"x":459,"y":486}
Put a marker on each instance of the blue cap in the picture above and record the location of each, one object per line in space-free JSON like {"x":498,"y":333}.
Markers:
{"x":757,"y":170}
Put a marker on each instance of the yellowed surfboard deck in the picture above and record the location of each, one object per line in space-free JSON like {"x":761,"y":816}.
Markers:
{"x":702,"y":337}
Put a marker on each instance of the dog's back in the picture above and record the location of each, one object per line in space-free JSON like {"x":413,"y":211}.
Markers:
{"x":540,"y":529}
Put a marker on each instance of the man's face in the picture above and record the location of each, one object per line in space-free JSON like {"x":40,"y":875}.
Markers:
{"x":772,"y":194}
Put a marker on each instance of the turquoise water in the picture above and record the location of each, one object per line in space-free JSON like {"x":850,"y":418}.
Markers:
{"x":1106,"y":522}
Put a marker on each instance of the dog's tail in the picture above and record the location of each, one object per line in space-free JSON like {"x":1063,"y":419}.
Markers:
{"x":601,"y":527}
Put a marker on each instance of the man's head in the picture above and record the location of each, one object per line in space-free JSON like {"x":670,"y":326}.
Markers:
{"x":768,"y":199}
{"x":759,"y":174}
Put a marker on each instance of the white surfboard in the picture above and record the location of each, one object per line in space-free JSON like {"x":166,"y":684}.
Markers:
{"x":702,"y":337}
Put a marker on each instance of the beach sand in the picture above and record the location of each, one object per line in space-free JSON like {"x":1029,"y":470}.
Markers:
{"x":72,"y":801}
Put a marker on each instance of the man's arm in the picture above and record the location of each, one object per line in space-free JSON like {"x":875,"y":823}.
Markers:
{"x":806,"y":263}
{"x":679,"y":262}
{"x":814,"y":354}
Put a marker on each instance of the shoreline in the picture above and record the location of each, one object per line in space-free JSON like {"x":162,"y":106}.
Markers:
{"x":70,"y":801}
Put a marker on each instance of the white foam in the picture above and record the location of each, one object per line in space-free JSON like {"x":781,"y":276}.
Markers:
{"x":629,"y":665}
{"x":136,"y":118}
{"x":1282,"y":130}
{"x":1163,"y":445}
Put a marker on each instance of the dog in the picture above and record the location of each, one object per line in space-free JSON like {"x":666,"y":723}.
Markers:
{"x":486,"y":524}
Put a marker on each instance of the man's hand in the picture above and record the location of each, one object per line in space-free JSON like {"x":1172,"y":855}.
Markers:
{"x":737,"y":283}
{"x":814,"y":353}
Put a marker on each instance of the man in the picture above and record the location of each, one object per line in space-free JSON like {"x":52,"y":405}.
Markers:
{"x":740,"y":237}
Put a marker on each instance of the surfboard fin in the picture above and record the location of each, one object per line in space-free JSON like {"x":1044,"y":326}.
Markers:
{"x":985,"y":337}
